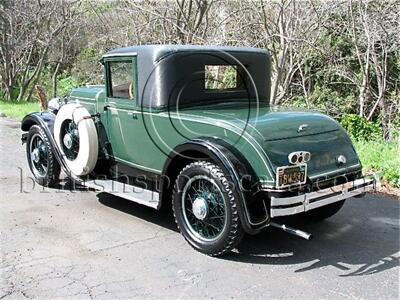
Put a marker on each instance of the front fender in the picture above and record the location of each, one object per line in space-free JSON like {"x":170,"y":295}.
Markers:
{"x":39,"y":118}
{"x":46,"y":121}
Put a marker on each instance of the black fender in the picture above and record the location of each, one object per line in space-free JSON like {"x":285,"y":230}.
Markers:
{"x":46,"y":121}
{"x":234,"y":165}
{"x":39,"y":118}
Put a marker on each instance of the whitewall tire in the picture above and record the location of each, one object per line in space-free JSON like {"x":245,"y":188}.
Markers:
{"x":76,"y":136}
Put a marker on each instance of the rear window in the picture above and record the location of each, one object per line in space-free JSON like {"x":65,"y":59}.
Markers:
{"x":222,"y":78}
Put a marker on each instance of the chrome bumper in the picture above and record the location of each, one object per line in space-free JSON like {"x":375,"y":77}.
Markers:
{"x":305,"y":202}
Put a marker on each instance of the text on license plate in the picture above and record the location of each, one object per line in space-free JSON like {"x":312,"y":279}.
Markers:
{"x":289,"y":175}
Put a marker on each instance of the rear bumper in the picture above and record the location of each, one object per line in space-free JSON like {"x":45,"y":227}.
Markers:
{"x":285,"y":206}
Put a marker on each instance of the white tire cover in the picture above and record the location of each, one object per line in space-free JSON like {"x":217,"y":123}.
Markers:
{"x":86,"y":159}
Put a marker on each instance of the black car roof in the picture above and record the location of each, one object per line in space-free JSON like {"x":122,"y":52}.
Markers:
{"x":158,"y":51}
{"x":168,"y":74}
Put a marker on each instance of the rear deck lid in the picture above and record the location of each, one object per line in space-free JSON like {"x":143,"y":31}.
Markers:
{"x":277,"y":125}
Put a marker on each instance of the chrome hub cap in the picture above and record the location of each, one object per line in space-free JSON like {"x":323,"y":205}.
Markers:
{"x":200,"y":208}
{"x":38,"y":156}
{"x":35,"y":155}
{"x":67,"y":141}
{"x":203,"y":208}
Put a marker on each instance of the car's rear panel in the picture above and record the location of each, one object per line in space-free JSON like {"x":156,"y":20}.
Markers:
{"x":325,"y":148}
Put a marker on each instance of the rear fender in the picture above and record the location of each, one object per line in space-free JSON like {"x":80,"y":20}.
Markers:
{"x":234,"y":166}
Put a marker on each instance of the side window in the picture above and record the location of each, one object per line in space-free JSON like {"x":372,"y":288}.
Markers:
{"x":122,"y":84}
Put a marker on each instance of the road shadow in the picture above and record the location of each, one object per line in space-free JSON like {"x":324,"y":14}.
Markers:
{"x":362,"y":239}
{"x":341,"y":246}
{"x":163,"y":218}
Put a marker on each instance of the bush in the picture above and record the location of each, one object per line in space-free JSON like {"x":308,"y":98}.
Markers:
{"x":65,"y":85}
{"x":332,"y":102}
{"x":381,"y":156}
{"x":87,"y":68}
{"x":360,"y":129}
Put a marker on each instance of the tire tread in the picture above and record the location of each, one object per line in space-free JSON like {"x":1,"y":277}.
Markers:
{"x":53,"y":171}
{"x":235,"y":232}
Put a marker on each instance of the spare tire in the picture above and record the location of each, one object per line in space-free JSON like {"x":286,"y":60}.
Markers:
{"x":76,"y":136}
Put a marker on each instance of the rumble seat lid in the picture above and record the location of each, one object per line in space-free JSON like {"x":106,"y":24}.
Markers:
{"x":278,"y":125}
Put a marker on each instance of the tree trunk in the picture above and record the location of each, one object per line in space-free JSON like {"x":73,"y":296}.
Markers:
{"x":54,"y":80}
{"x":7,"y":92}
{"x":22,"y":91}
{"x":362,"y":96}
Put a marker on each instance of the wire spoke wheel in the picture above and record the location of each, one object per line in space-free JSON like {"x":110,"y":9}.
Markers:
{"x":38,"y":156}
{"x":204,"y":208}
{"x":69,"y":137}
{"x":44,"y":166}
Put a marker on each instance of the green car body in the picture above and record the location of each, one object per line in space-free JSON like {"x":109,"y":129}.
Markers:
{"x":264,"y":135}
{"x":168,"y":111}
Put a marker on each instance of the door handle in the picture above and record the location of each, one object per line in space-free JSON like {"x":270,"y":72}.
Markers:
{"x":133,"y":115}
{"x":106,"y":107}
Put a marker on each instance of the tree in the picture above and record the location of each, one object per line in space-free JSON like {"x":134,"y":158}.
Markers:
{"x":30,"y":29}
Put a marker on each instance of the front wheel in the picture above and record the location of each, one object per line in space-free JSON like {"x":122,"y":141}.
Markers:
{"x":205,"y":209}
{"x":41,"y":160}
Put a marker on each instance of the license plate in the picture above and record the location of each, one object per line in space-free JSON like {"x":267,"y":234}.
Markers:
{"x":291,"y":175}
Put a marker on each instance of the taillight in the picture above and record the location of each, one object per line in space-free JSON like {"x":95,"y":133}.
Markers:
{"x":299,"y":157}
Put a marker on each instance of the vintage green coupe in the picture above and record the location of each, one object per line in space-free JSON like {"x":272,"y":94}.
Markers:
{"x":193,"y":124}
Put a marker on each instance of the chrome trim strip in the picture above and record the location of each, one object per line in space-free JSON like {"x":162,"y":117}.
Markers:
{"x":78,"y":101}
{"x":136,"y":165}
{"x":287,"y":211}
{"x":289,"y":200}
{"x":264,"y":184}
{"x":129,"y":192}
{"x":308,"y":201}
{"x":127,"y":54}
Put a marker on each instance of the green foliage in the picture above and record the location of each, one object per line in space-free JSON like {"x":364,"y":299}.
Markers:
{"x":325,"y":99}
{"x":382,"y":157}
{"x":300,"y":102}
{"x":331,"y":100}
{"x":87,"y":68}
{"x":360,"y":129}
{"x":65,"y":84}
{"x":220,"y":77}
{"x":18,"y":110}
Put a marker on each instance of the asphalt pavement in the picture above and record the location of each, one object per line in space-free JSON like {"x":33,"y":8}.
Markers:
{"x":82,"y":244}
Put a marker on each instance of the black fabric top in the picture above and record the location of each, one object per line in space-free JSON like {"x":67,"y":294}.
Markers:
{"x":170,"y":75}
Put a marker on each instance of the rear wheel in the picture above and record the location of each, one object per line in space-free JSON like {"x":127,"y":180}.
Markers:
{"x":205,"y":209}
{"x":43,"y":164}
{"x":324,"y":212}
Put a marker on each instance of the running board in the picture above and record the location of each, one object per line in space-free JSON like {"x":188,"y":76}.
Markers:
{"x":126,"y":191}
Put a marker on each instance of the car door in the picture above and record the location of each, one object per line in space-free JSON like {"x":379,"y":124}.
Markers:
{"x":121,"y":109}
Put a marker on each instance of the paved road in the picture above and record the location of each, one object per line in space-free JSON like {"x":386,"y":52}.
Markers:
{"x":87,"y":245}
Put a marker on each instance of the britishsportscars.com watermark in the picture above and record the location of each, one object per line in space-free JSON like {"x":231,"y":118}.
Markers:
{"x":122,"y":183}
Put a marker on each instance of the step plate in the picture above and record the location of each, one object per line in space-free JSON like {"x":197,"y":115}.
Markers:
{"x":126,"y":191}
